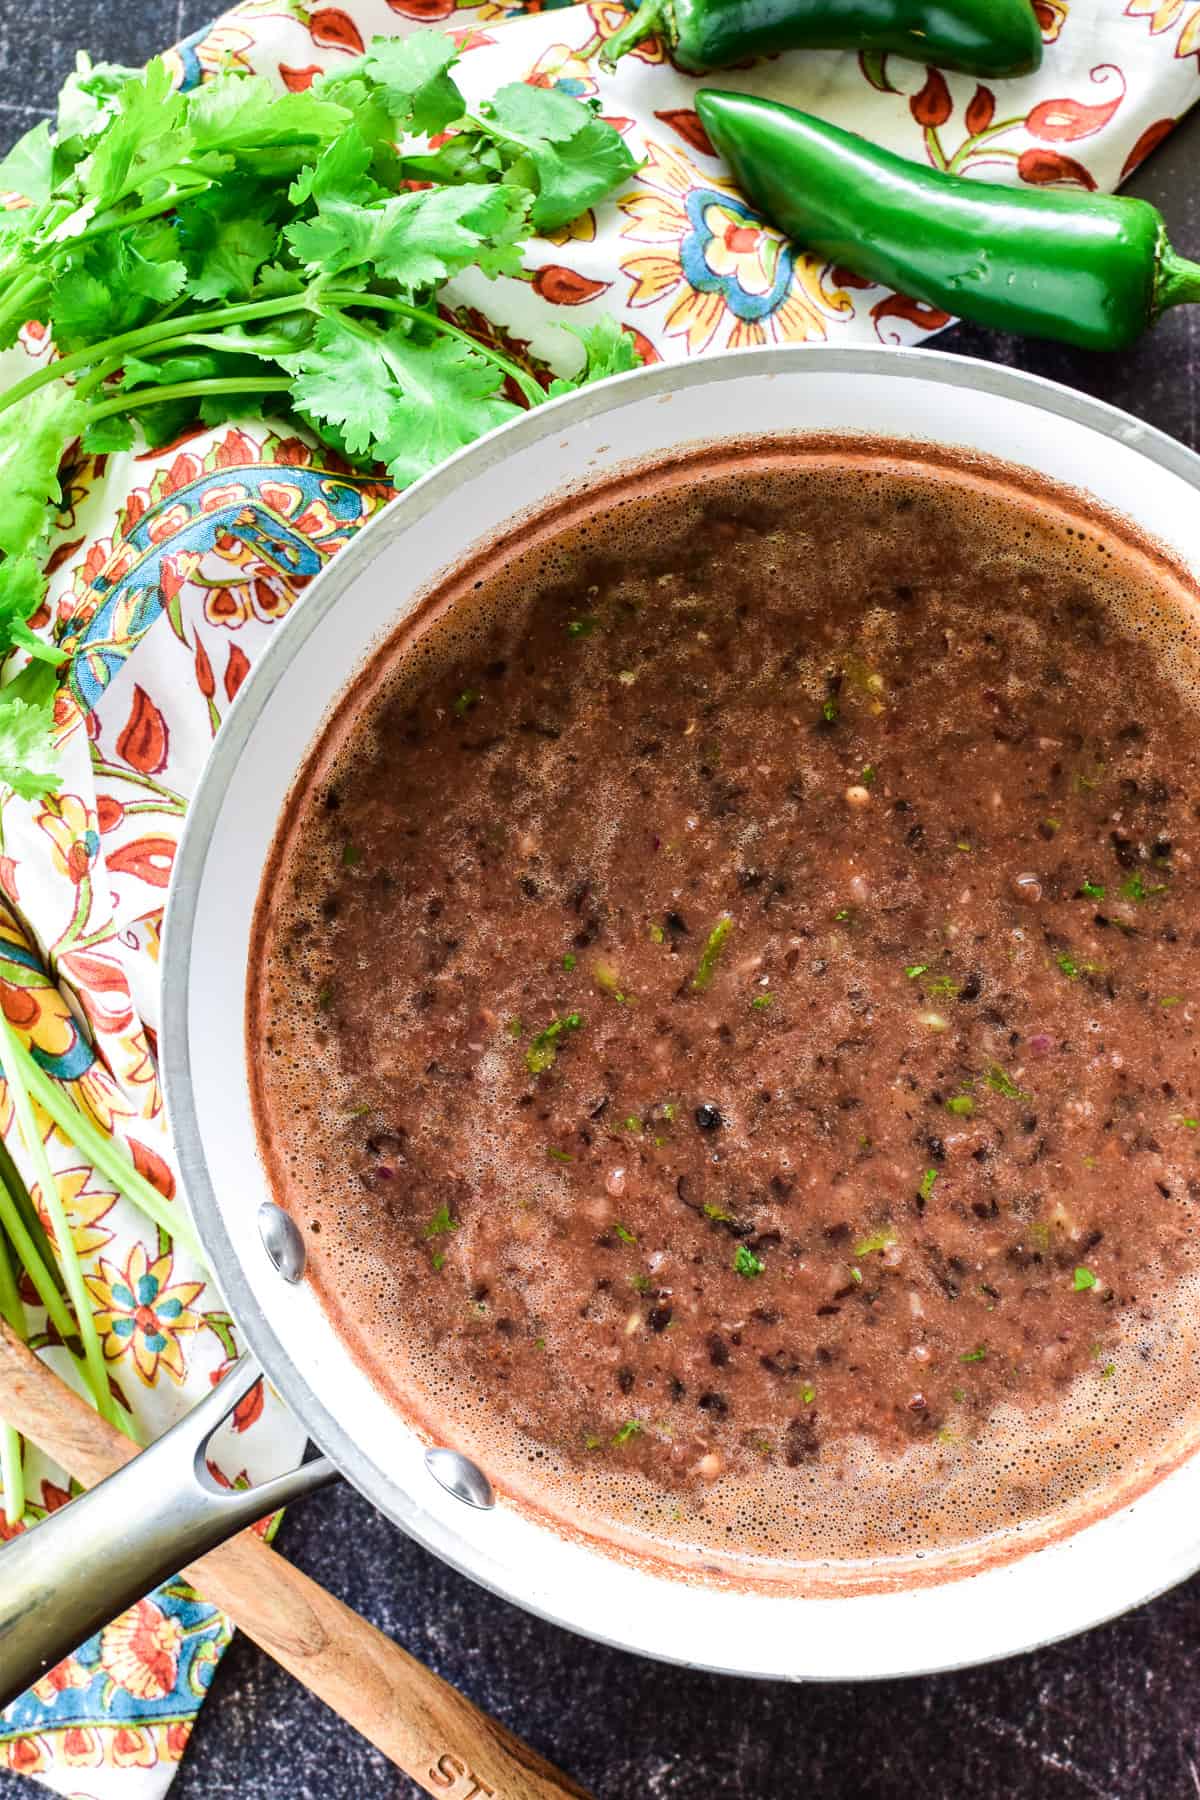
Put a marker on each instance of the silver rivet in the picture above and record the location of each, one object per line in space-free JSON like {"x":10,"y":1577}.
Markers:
{"x":282,"y":1240}
{"x":460,"y":1477}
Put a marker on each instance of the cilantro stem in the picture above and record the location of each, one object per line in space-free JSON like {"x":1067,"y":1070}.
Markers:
{"x":270,"y":349}
{"x":35,"y":218}
{"x":18,"y":302}
{"x":161,"y":330}
{"x":95,"y":378}
{"x":11,"y":1471}
{"x":102,"y":1151}
{"x":49,"y":216}
{"x":214,"y":319}
{"x":188,"y":390}
{"x":345,"y":298}
{"x":21,"y":301}
{"x":68,"y":1258}
{"x":151,"y":210}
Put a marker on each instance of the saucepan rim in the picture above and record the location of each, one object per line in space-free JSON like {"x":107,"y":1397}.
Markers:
{"x":963,"y":377}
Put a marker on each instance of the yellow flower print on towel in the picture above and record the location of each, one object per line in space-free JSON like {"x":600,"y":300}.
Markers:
{"x":142,"y":1314}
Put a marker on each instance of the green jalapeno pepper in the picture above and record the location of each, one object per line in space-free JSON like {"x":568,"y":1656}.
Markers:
{"x":1091,"y":269}
{"x":983,"y":37}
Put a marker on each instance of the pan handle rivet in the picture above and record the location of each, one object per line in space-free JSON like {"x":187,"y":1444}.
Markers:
{"x":282,"y":1241}
{"x":460,"y":1477}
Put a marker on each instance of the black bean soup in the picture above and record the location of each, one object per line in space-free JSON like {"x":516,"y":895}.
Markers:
{"x":725,"y":1010}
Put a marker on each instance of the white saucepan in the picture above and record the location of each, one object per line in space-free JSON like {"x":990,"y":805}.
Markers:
{"x":1103,"y":1568}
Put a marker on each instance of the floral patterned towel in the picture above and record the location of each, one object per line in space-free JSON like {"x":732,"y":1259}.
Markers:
{"x":174,"y":567}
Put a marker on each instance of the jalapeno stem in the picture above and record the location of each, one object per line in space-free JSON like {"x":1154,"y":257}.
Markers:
{"x":651,"y":16}
{"x":1178,"y":280}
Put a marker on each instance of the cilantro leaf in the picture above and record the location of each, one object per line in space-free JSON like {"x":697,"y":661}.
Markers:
{"x":532,"y":114}
{"x":229,"y":233}
{"x":417,"y":239}
{"x":22,"y":589}
{"x":115,"y":284}
{"x":163,"y":423}
{"x":275,"y":279}
{"x":233,"y":250}
{"x":467,"y":155}
{"x":28,"y":168}
{"x":237,"y":114}
{"x":83,"y":308}
{"x":88,"y":96}
{"x":346,"y":378}
{"x":28,"y":764}
{"x":340,"y":173}
{"x":192,"y":365}
{"x":367,"y":107}
{"x":103,"y":436}
{"x":18,"y":222}
{"x":414,"y":75}
{"x":27,"y":761}
{"x":218,"y":408}
{"x":141,"y":142}
{"x":450,"y":398}
{"x":608,"y":350}
{"x":575,"y":158}
{"x":573,"y":176}
{"x":33,"y":437}
{"x":406,"y":402}
{"x":1002,"y":1083}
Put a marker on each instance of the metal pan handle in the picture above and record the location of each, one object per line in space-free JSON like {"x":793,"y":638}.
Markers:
{"x":70,"y":1575}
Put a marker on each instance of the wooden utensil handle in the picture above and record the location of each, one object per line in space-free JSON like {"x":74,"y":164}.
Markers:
{"x":425,"y":1726}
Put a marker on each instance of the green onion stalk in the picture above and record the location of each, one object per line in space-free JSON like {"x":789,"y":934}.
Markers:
{"x":68,"y":1257}
{"x":62,"y":1295}
{"x":36,"y":1266}
{"x":100,"y":1150}
{"x":12,"y":1472}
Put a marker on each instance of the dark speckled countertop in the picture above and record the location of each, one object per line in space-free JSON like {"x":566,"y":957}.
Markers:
{"x":1114,"y":1715}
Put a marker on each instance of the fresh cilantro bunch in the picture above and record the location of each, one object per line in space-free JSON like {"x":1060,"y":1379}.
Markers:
{"x":206,"y":255}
